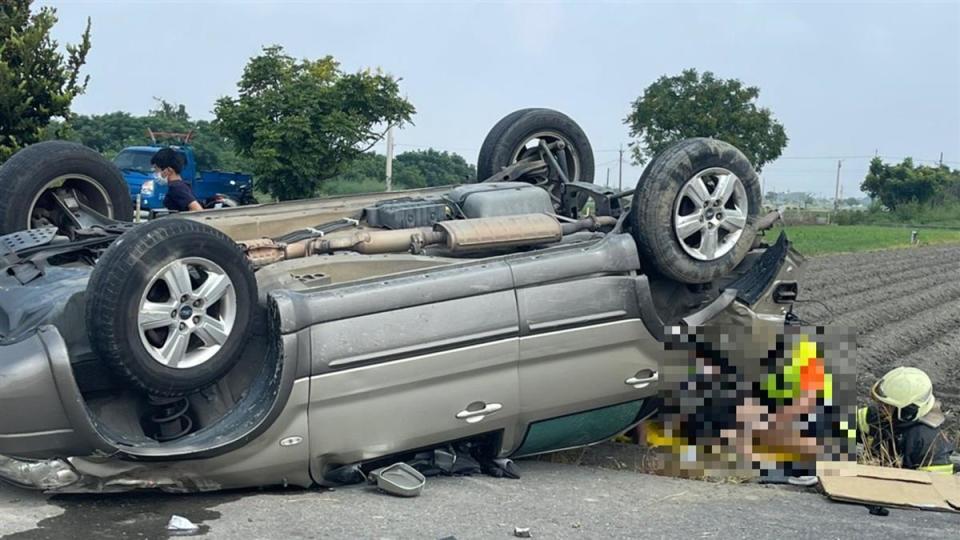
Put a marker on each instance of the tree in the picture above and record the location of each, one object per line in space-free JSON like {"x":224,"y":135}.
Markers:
{"x":415,"y":169}
{"x":436,"y":168}
{"x":896,"y":185}
{"x":300,"y":122}
{"x":691,"y":105}
{"x":36,"y":82}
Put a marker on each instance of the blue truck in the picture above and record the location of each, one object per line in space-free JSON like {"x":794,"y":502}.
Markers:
{"x":212,"y":189}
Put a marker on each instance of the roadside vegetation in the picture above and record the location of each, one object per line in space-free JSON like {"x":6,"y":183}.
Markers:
{"x":824,"y":239}
{"x":941,"y":214}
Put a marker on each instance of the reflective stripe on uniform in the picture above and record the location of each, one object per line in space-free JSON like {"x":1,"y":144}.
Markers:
{"x":948,"y":468}
{"x":862,"y":425}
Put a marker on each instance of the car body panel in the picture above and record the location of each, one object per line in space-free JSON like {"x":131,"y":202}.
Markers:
{"x":266,"y":460}
{"x":382,"y":409}
{"x":584,"y":369}
{"x":42,"y":413}
{"x":39,"y":422}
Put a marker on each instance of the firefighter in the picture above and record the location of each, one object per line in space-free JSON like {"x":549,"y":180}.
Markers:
{"x":904,"y":423}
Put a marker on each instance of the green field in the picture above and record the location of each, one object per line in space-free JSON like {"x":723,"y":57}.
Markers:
{"x":822,"y":239}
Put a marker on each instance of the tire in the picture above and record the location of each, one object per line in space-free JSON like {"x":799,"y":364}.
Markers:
{"x":134,"y":275}
{"x":658,"y":200}
{"x":26,"y":175}
{"x":485,"y":158}
{"x":510,"y":133}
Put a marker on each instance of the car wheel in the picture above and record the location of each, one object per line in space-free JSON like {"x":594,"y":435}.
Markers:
{"x":62,"y":184}
{"x":518,"y":136}
{"x":169,"y":305}
{"x":694,"y":210}
{"x":485,"y":163}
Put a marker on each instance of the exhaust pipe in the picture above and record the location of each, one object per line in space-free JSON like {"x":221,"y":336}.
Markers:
{"x":458,"y":236}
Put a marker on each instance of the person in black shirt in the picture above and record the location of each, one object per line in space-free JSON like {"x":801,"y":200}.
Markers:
{"x":167,"y":166}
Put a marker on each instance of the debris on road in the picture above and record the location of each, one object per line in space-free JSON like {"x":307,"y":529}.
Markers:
{"x":521,"y":532}
{"x":180,"y":525}
{"x":399,"y":479}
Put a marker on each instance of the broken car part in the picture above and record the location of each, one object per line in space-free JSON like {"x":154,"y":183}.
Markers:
{"x":399,"y":479}
{"x":43,"y":474}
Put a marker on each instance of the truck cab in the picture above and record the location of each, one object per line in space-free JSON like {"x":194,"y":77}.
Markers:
{"x":209,"y":187}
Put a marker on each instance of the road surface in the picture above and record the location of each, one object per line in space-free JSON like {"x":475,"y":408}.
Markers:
{"x":554,"y":500}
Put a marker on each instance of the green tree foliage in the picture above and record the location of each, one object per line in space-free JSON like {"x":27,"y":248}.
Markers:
{"x":691,"y":105}
{"x":416,"y":169}
{"x":424,"y":168}
{"x":904,"y":183}
{"x":301,"y":122}
{"x":37,"y":82}
{"x":112,"y":132}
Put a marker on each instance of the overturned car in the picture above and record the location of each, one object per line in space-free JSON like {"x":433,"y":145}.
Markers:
{"x":273,"y":344}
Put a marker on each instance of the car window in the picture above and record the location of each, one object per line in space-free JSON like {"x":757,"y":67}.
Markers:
{"x":138,"y":161}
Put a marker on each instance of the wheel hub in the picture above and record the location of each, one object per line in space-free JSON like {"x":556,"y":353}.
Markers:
{"x":710,"y":213}
{"x":187,"y":312}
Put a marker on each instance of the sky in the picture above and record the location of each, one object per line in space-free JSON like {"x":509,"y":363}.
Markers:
{"x":847,"y":80}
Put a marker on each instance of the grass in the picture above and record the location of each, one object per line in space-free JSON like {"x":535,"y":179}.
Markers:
{"x":823,"y":239}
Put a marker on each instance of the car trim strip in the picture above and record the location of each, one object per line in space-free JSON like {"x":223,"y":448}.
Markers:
{"x":424,"y":348}
{"x":577,"y":321}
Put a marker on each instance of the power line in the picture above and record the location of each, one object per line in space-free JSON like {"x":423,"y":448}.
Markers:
{"x":772,"y":165}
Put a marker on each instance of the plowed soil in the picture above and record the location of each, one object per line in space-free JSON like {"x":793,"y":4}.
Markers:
{"x":905,"y":306}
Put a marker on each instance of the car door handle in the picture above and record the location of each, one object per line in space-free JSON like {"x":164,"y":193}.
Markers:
{"x":473,"y":415}
{"x":643,"y":382}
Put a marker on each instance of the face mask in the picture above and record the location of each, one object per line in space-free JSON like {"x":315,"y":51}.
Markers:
{"x":158,"y":176}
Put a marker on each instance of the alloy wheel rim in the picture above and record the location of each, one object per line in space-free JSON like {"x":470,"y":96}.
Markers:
{"x":187,"y":312}
{"x":710,"y":213}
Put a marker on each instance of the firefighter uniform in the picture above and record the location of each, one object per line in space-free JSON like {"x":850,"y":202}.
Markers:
{"x":905,"y":422}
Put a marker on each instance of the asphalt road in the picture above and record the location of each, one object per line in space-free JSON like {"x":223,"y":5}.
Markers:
{"x":554,"y":500}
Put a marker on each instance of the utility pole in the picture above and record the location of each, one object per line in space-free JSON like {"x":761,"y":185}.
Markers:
{"x":620,"y":175}
{"x":941,"y":159}
{"x":836,"y":198}
{"x":608,"y":177}
{"x":390,"y":158}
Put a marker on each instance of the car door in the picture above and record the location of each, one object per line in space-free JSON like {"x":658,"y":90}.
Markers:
{"x":587,"y":363}
{"x":416,"y":361}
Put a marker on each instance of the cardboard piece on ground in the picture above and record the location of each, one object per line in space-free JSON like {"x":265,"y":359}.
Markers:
{"x":884,"y":486}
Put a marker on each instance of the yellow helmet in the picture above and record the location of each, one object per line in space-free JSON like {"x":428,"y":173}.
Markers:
{"x":907,"y":389}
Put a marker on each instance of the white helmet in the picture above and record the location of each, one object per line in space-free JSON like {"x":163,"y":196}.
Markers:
{"x":907,"y":389}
